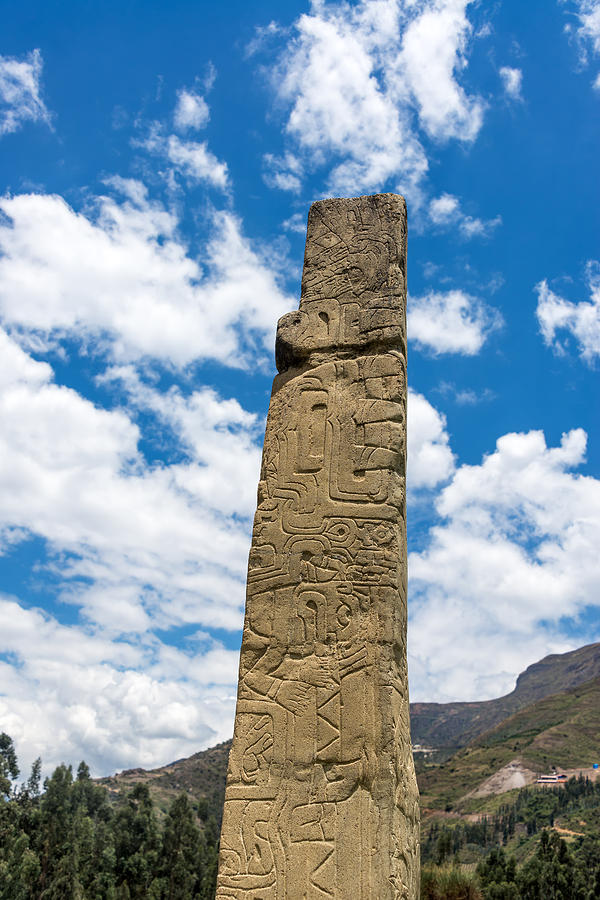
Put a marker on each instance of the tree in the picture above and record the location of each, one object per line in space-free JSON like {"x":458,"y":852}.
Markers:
{"x":9,"y":769}
{"x":497,"y":876}
{"x":19,"y":870}
{"x":550,"y":874}
{"x":137,"y":843}
{"x":208,"y":887}
{"x":182,"y":852}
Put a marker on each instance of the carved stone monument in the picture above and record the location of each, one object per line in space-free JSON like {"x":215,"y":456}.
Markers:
{"x":321,"y":798}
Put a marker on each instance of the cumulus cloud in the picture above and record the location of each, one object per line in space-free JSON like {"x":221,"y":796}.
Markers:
{"x":20,"y":92}
{"x":216,"y":434}
{"x":358,"y":81}
{"x":295,"y":223}
{"x":434,"y":47}
{"x":450,"y":322}
{"x":196,"y":162}
{"x":191,"y":110}
{"x":513,"y":557}
{"x":429,"y":458}
{"x":145,"y":550}
{"x":141,"y":550}
{"x":512,"y":80}
{"x":74,"y":694}
{"x":190,"y":159}
{"x":445,"y":211}
{"x":122,"y":275}
{"x":173,"y":539}
{"x":580,"y":320}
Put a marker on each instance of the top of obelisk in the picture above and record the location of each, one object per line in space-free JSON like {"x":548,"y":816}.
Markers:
{"x":353,"y":283}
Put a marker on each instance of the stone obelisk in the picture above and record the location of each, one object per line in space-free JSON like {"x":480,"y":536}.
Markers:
{"x":321,"y":798}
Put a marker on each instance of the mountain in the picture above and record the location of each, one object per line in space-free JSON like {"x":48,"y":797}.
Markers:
{"x":561,"y":730}
{"x":452,"y":725}
{"x":201,"y":776}
{"x":533,"y":728}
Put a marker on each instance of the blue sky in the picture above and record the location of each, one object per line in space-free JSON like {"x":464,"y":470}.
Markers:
{"x":158,"y":162}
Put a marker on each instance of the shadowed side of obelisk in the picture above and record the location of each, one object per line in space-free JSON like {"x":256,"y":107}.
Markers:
{"x":321,"y":797}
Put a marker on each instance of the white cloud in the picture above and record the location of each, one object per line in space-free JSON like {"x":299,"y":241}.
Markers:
{"x":218,"y":435}
{"x":262,"y":35}
{"x":121,"y":275}
{"x":581,"y":320}
{"x":339,"y":107}
{"x":512,"y":80}
{"x":191,"y":110}
{"x":196,"y":162}
{"x":433,"y":51}
{"x":450,"y":322}
{"x":472,"y":227}
{"x":137,"y":549}
{"x":73,"y":694}
{"x":430,"y":460}
{"x":355,"y":78}
{"x":296,"y":223}
{"x":445,"y":212}
{"x":142,"y":551}
{"x":444,"y":209}
{"x":20,"y":92}
{"x":171,"y":541}
{"x":284,"y":172}
{"x":514,"y":556}
{"x":465,"y":396}
{"x":588,"y":30}
{"x":192,"y":159}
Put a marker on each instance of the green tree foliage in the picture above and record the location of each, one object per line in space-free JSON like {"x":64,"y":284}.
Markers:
{"x":533,"y":810}
{"x":68,"y":842}
{"x":554,"y":871}
{"x":9,"y":769}
{"x":182,"y":853}
{"x":137,"y":843}
{"x":497,"y":874}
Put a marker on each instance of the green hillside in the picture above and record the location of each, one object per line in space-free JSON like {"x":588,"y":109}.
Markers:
{"x":562,"y":730}
{"x":201,"y":777}
{"x":547,"y":728}
{"x":454,"y":725}
{"x":478,"y":838}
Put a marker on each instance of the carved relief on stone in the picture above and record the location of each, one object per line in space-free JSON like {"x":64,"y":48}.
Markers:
{"x":321,"y":798}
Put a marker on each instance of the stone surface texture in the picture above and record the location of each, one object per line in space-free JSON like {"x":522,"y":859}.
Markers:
{"x":321,"y":798}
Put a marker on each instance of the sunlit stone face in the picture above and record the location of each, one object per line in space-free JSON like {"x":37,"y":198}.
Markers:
{"x":321,"y":797}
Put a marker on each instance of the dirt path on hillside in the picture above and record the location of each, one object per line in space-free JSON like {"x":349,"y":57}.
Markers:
{"x":568,"y":832}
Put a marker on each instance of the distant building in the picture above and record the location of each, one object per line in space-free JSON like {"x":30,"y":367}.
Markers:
{"x":418,"y":748}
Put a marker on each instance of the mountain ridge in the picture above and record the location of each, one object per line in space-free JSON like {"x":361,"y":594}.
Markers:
{"x":533,"y":712}
{"x":455,"y":724}
{"x":560,"y":731}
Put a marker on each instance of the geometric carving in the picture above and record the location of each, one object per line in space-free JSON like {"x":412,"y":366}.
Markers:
{"x":321,"y":797}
